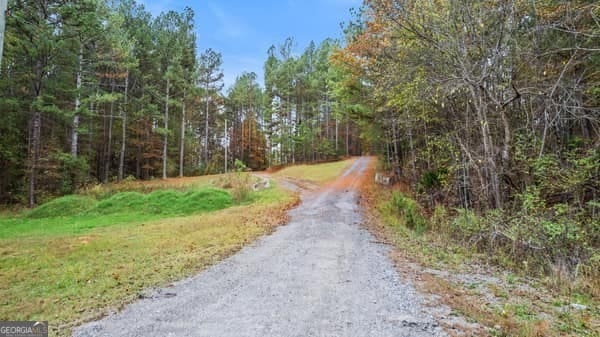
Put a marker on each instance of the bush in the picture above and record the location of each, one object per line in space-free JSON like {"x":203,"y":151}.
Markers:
{"x":439,"y":220}
{"x":466,"y":224}
{"x":239,"y":182}
{"x":433,"y":179}
{"x":409,"y":211}
{"x":72,"y":172}
{"x":240,"y":186}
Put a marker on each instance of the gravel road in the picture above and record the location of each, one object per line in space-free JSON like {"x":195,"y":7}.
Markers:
{"x":320,"y":275}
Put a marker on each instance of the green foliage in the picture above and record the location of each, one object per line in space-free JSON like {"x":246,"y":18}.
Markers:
{"x":73,"y":172}
{"x":326,"y":148}
{"x":466,"y":224}
{"x":440,"y":220}
{"x":434,"y":179}
{"x":409,"y":212}
{"x":239,"y":166}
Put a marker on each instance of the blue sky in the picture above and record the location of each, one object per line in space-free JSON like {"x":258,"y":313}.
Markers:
{"x":243,"y":30}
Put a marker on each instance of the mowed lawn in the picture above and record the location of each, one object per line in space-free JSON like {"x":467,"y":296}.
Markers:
{"x":76,"y":258}
{"x":316,"y":173}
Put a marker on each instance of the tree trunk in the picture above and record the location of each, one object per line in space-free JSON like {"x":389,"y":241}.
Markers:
{"x":124,"y":130}
{"x":206,"y":125}
{"x":166,"y":136}
{"x":347,"y":137}
{"x":226,"y":145}
{"x":412,"y":150}
{"x":107,"y":159}
{"x":396,"y":148}
{"x":35,"y":153}
{"x":3,"y":5}
{"x":75,"y":132}
{"x":327,"y":133}
{"x":243,"y":140}
{"x":490,"y":163}
{"x":336,"y":135}
{"x":182,"y":140}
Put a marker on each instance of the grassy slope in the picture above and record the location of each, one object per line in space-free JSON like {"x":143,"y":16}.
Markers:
{"x":71,"y":268}
{"x":76,"y":214}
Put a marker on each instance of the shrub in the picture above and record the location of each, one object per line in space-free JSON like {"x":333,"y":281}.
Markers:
{"x":466,"y":224}
{"x":72,"y":172}
{"x":409,"y":212}
{"x":439,"y":220}
{"x":239,"y":182}
{"x":433,"y":179}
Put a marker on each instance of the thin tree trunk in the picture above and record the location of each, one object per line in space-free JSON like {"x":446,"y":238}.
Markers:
{"x":166,"y":136}
{"x":124,"y":130}
{"x":206,"y":124}
{"x":327,"y":133}
{"x":243,"y":140}
{"x":395,"y":147}
{"x":226,"y":145}
{"x":490,"y":164}
{"x":75,"y":132}
{"x":336,"y":134}
{"x":347,"y":137}
{"x":35,"y":153}
{"x":412,"y":150}
{"x":107,"y":159}
{"x":3,"y":5}
{"x":182,"y":140}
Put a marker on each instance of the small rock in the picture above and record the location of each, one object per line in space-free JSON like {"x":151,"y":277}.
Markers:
{"x":577,"y":306}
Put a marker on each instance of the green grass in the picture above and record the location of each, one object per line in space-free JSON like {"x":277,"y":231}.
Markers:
{"x":73,"y":258}
{"x":66,"y":206}
{"x":165,"y":202}
{"x":319,"y":173}
{"x":76,"y":214}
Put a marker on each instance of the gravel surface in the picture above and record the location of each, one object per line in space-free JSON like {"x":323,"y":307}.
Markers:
{"x":320,"y":275}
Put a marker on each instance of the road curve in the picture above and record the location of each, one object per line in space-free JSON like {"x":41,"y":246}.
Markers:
{"x":320,"y":275}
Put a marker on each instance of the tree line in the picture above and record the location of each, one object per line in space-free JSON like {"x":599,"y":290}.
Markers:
{"x":93,"y":92}
{"x":490,"y":108}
